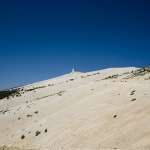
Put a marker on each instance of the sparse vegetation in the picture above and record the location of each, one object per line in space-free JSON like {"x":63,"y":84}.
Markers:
{"x":4,"y":111}
{"x":133,"y":99}
{"x":126,"y":73}
{"x":71,"y":79}
{"x":37,"y":133}
{"x":51,"y":85}
{"x":36,"y":112}
{"x":132,"y":93}
{"x":29,"y":115}
{"x":22,"y":137}
{"x":112,"y":77}
{"x":9,"y":93}
{"x":60,"y":93}
{"x":88,"y":75}
{"x":45,"y":130}
{"x":139,"y":72}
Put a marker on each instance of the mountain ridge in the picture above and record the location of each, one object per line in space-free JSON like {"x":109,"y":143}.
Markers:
{"x":76,"y":110}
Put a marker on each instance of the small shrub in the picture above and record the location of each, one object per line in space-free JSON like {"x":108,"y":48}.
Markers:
{"x":45,"y":130}
{"x":37,"y":133}
{"x":133,"y":99}
{"x":132,"y":92}
{"x":36,"y":112}
{"x":19,"y":118}
{"x":22,"y":137}
{"x":115,"y":116}
{"x":88,"y":75}
{"x":29,"y":115}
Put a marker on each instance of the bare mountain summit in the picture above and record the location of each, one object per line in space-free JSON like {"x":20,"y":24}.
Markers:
{"x":105,"y":109}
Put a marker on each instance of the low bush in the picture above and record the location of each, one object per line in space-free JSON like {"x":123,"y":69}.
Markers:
{"x":133,"y":99}
{"x":36,"y":112}
{"x":132,"y":92}
{"x":37,"y":133}
{"x":22,"y":137}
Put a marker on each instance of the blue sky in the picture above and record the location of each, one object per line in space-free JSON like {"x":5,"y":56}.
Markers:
{"x":42,"y":39}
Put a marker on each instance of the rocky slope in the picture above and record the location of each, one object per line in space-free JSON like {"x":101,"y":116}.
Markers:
{"x":105,"y":109}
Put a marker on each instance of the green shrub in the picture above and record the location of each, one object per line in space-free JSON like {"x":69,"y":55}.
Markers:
{"x":133,"y":99}
{"x":37,"y":133}
{"x":9,"y":93}
{"x":36,"y":112}
{"x":132,"y":92}
{"x":22,"y":137}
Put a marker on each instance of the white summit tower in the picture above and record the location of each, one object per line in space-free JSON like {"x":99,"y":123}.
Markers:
{"x":73,"y":70}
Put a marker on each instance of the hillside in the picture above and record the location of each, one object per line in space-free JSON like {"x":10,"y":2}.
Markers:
{"x":104,"y":109}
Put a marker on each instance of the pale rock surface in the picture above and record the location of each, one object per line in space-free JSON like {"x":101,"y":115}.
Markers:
{"x":80,"y":111}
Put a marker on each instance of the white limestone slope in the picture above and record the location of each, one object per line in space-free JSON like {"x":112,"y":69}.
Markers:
{"x":80,"y":110}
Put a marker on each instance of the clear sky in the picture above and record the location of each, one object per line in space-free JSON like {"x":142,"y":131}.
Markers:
{"x":42,"y":39}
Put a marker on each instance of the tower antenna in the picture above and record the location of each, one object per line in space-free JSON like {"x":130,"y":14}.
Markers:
{"x":73,"y":69}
